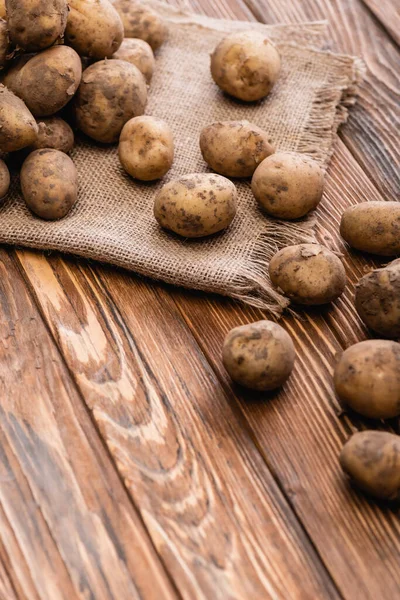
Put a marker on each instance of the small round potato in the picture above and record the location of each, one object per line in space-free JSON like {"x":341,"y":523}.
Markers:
{"x":378,"y":300}
{"x":367,"y":378}
{"x":4,"y":179}
{"x":146,"y":148}
{"x":141,"y":22}
{"x":373,"y":227}
{"x":36,"y":24}
{"x":259,"y":356}
{"x":18,"y":128}
{"x":246,"y":65}
{"x":196,"y":205}
{"x":111,"y":93}
{"x":49,"y":183}
{"x":308,"y":274}
{"x":54,"y":133}
{"x":288,"y":185}
{"x":4,"y":43}
{"x":372,"y":461}
{"x":234,"y":148}
{"x":47,"y":81}
{"x":138,"y":53}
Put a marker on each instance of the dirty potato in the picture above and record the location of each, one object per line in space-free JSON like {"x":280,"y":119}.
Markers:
{"x":36,"y":24}
{"x":146,"y":148}
{"x":377,"y":300}
{"x":111,"y":93}
{"x":246,"y":65}
{"x":234,"y":148}
{"x":308,"y":274}
{"x":373,"y":227}
{"x":49,"y":183}
{"x":287,"y":185}
{"x":138,"y":53}
{"x":367,"y":378}
{"x":141,"y":22}
{"x":4,"y":179}
{"x":18,"y":128}
{"x":371,"y":459}
{"x":54,"y":133}
{"x":196,"y":205}
{"x":259,"y":356}
{"x":4,"y":43}
{"x":94,"y":28}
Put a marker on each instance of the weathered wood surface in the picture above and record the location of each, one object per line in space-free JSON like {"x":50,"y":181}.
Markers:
{"x":388,"y":13}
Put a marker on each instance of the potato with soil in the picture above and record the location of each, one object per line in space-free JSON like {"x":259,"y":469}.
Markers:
{"x":4,"y":179}
{"x":371,"y":459}
{"x":138,"y":53}
{"x":47,"y":81}
{"x":54,"y":133}
{"x":94,"y":28}
{"x":18,"y":128}
{"x":49,"y":183}
{"x":377,"y":300}
{"x":111,"y":93}
{"x":36,"y":24}
{"x":246,"y":65}
{"x":308,"y":274}
{"x":196,"y":205}
{"x":141,"y":22}
{"x":146,"y":148}
{"x":367,"y":379}
{"x":234,"y":148}
{"x":259,"y":356}
{"x":373,"y":227}
{"x":4,"y":43}
{"x":287,"y":185}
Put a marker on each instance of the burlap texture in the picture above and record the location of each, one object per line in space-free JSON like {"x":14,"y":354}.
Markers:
{"x":113,"y":219}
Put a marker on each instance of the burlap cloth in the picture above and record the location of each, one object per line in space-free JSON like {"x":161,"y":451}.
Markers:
{"x":113,"y":219}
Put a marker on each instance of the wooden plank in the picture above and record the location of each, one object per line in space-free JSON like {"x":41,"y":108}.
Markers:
{"x":6,"y":589}
{"x":213,"y":510}
{"x":60,"y":496}
{"x":388,"y":13}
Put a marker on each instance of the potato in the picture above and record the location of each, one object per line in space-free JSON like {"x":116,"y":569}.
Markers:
{"x":141,"y":22}
{"x":373,"y":227}
{"x":234,"y":148}
{"x":246,"y":65}
{"x":94,"y":28}
{"x":4,"y":43}
{"x":4,"y":179}
{"x":308,"y":274}
{"x":47,"y":81}
{"x":259,"y":356}
{"x":146,"y":148}
{"x":18,"y":128}
{"x":49,"y":183}
{"x":377,"y":300}
{"x":54,"y":133}
{"x":36,"y":24}
{"x":111,"y":93}
{"x":367,"y":378}
{"x":138,"y":53}
{"x":196,"y":205}
{"x":372,"y":461}
{"x":287,"y":185}
{"x":3,"y":12}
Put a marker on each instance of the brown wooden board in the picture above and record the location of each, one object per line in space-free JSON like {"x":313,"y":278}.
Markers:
{"x":388,"y":13}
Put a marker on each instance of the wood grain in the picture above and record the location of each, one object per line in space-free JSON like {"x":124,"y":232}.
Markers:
{"x":388,"y":13}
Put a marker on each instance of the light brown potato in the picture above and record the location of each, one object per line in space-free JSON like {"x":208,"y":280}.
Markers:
{"x":373,"y":227}
{"x":141,"y":22}
{"x":54,"y":133}
{"x":371,"y":459}
{"x":196,"y":205}
{"x":377,"y":300}
{"x":4,"y":43}
{"x":146,"y":148}
{"x":308,"y":274}
{"x":367,"y":378}
{"x":47,"y":81}
{"x":287,"y":185}
{"x":138,"y":53}
{"x":111,"y":93}
{"x":36,"y":24}
{"x":234,"y":148}
{"x":3,"y":12}
{"x":4,"y":179}
{"x":18,"y":128}
{"x":259,"y":356}
{"x":49,"y":183}
{"x":246,"y":65}
{"x":94,"y":28}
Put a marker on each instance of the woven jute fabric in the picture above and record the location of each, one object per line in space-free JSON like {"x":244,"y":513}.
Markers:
{"x":113,"y":219}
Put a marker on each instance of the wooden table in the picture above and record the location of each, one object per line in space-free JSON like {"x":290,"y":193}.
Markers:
{"x":131,"y":468}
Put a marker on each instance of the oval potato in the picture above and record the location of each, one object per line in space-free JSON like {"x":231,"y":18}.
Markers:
{"x":141,"y":22}
{"x":18,"y":128}
{"x":373,"y":227}
{"x":196,"y":205}
{"x":4,"y":43}
{"x":4,"y":179}
{"x":36,"y":24}
{"x":138,"y":53}
{"x":54,"y":133}
{"x":3,"y":12}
